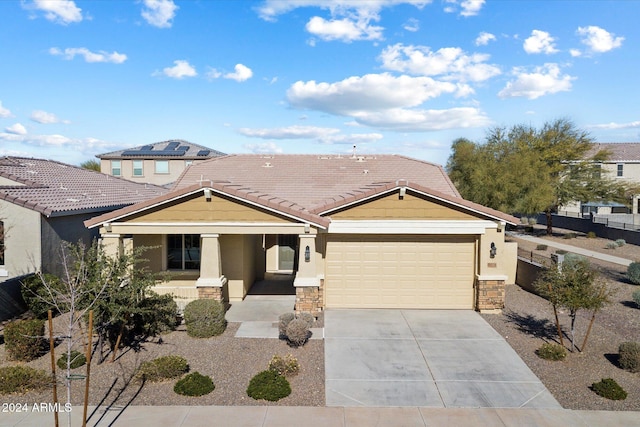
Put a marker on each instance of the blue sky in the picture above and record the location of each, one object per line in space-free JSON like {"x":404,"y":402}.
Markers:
{"x":80,"y":78}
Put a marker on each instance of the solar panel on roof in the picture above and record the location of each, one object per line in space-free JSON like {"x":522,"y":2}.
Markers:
{"x":204,"y":152}
{"x":183,"y":148}
{"x":172,"y":145}
{"x":147,"y":147}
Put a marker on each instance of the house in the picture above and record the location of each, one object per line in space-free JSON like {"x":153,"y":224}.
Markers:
{"x":381,"y":231}
{"x":160,"y":163}
{"x":44,"y":202}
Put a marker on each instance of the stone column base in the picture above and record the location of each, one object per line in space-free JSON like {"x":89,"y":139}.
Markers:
{"x":210,"y":292}
{"x":309,"y":299}
{"x":490,"y":291}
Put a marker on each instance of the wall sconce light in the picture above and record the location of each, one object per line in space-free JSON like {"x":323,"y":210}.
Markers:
{"x":307,"y":254}
{"x":493,"y":250}
{"x":207,"y":194}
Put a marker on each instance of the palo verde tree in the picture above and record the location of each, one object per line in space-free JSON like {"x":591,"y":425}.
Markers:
{"x":528,"y":170}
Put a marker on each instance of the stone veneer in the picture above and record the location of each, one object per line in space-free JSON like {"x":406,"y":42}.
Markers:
{"x":490,"y":295}
{"x":210,"y":292}
{"x":309,"y":299}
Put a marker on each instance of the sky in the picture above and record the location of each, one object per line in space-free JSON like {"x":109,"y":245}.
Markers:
{"x":80,"y":78}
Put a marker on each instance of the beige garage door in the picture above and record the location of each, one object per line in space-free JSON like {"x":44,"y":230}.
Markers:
{"x":399,"y":272}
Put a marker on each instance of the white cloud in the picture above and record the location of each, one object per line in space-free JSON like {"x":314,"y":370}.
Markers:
{"x":346,"y":30}
{"x":544,"y":80}
{"x":613,"y":125}
{"x":180,"y":70}
{"x":16,"y":129}
{"x":575,"y":52}
{"x":59,"y":11}
{"x":101,"y":56}
{"x":351,"y":139}
{"x":450,"y":62}
{"x":540,"y":42}
{"x":484,"y":38}
{"x":417,"y":120}
{"x":270,"y":9}
{"x":44,"y":117}
{"x":290,"y":132}
{"x":264,"y":148}
{"x":241,"y":73}
{"x":159,"y":13}
{"x":598,"y":39}
{"x":4,"y":112}
{"x":469,"y":7}
{"x":412,"y":25}
{"x":81,"y":145}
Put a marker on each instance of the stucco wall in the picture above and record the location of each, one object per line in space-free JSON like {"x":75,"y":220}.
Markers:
{"x":23,"y":253}
{"x":176,"y":167}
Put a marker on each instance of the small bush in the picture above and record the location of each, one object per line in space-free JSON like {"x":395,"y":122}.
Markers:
{"x":297,"y":332}
{"x":307,"y":317}
{"x":194,"y":384}
{"x":572,"y":259}
{"x":562,"y":252}
{"x":286,"y":366}
{"x":24,"y":339}
{"x":633,"y":273}
{"x":158,"y":315}
{"x":524,"y":220}
{"x":77,"y":359}
{"x":35,"y":294}
{"x":636,"y":298}
{"x":609,"y":389}
{"x":205,"y":318}
{"x":542,"y":247}
{"x":162,"y":368}
{"x":629,"y":356}
{"x":591,"y":235}
{"x":22,"y":379}
{"x":268,"y":385}
{"x":283,"y":322}
{"x":621,"y":242}
{"x":550,"y":351}
{"x":570,"y":236}
{"x":611,"y":245}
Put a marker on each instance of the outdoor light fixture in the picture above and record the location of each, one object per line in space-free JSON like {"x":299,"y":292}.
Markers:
{"x":307,"y":254}
{"x":207,"y":194}
{"x":493,"y":250}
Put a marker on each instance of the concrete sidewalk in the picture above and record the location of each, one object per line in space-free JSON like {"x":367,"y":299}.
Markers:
{"x":279,"y":416}
{"x":585,"y":252}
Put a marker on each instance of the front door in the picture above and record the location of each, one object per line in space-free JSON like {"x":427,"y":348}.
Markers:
{"x":287,"y":251}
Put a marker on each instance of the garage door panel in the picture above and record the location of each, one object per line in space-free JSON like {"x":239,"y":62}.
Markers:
{"x":399,"y":272}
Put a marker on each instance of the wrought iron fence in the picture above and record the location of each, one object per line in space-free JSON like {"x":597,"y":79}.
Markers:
{"x":534,"y":256}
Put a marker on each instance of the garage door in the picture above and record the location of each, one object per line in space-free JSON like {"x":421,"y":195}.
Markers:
{"x":399,"y":272}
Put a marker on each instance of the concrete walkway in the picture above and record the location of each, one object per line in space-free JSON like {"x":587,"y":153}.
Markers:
{"x":282,"y":416}
{"x":590,"y":254}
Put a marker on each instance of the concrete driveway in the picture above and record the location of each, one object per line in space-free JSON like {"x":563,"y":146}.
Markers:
{"x":431,"y":358}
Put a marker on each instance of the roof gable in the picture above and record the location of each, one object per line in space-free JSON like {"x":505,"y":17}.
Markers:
{"x":173,"y":148}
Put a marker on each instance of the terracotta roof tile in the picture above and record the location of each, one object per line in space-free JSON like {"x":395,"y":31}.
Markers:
{"x":620,"y":151}
{"x":191,"y":152}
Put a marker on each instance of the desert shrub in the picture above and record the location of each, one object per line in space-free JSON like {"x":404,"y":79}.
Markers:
{"x":22,"y":379}
{"x":621,"y":242}
{"x":194,"y":384}
{"x":24,"y":339}
{"x":562,"y":252}
{"x":35,"y":294}
{"x":542,"y":247}
{"x":572,"y":259}
{"x":285,"y":366}
{"x":297,"y":332}
{"x":570,"y":236}
{"x":307,"y":317}
{"x":609,"y":389}
{"x":636,"y":298}
{"x":629,"y":353}
{"x":268,"y":385}
{"x":533,"y":221}
{"x":611,"y":245}
{"x":162,"y":368}
{"x":551,"y":351}
{"x":633,"y":273}
{"x":524,"y":220}
{"x":283,"y":322}
{"x":205,"y":318}
{"x":591,"y":235}
{"x":158,"y":314}
{"x":77,"y":359}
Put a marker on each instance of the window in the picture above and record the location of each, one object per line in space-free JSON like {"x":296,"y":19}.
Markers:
{"x":162,"y":166}
{"x":137,"y":168}
{"x":620,"y":169}
{"x":116,"y":168}
{"x":183,"y":251}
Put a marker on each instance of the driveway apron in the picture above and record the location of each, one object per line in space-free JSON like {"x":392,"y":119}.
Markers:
{"x":430,"y":358}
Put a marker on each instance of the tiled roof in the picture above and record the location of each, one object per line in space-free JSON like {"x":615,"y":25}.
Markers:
{"x":620,"y":151}
{"x":306,"y":186}
{"x":173,"y":148}
{"x":53,"y":188}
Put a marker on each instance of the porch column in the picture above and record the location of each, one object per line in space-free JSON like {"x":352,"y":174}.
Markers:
{"x":211,"y":279}
{"x":307,"y":284}
{"x":112,"y":244}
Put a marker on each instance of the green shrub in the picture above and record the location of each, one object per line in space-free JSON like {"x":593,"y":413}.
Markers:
{"x":569,"y":236}
{"x":629,"y":353}
{"x":533,"y":221}
{"x":77,"y":359}
{"x":22,"y":379}
{"x":158,"y":315}
{"x":283,"y":322}
{"x":633,"y":273}
{"x":194,"y":384}
{"x":285,"y":366}
{"x":524,"y":220}
{"x":591,"y":235}
{"x":24,"y":339}
{"x":35,"y":294}
{"x":636,"y":298}
{"x":297,"y":332}
{"x":609,"y":389}
{"x":621,"y":242}
{"x":308,"y":318}
{"x":542,"y":247}
{"x":268,"y":385}
{"x":611,"y":245}
{"x":551,"y":351}
{"x":572,"y":259}
{"x":162,"y":368}
{"x":205,"y":318}
{"x":562,"y":252}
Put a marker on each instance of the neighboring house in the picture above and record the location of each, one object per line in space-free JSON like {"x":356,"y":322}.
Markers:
{"x":380,"y":231}
{"x":43,"y":203}
{"x":160,"y":163}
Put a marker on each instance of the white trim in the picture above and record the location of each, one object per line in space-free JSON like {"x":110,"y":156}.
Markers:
{"x":346,"y":205}
{"x":411,"y":227}
{"x":4,"y":272}
{"x":211,"y":282}
{"x":492,"y":277}
{"x":206,"y":224}
{"x":303,"y":282}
